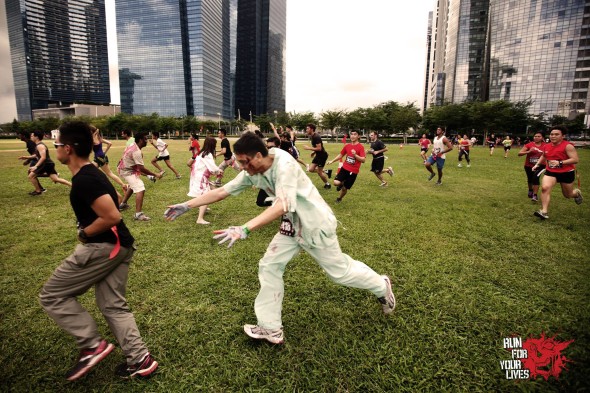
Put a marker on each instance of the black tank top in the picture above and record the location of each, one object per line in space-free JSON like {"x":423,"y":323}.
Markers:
{"x":47,"y":158}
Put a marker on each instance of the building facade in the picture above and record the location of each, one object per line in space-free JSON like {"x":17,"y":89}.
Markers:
{"x":59,"y":53}
{"x":512,"y":50}
{"x":174,"y":57}
{"x":261,"y":57}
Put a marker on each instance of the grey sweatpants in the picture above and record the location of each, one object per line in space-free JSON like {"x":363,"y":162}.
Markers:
{"x":89,"y":265}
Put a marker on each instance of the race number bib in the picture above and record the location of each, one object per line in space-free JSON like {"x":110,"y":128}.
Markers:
{"x":533,"y":160}
{"x":350,"y":160}
{"x":286,"y":227}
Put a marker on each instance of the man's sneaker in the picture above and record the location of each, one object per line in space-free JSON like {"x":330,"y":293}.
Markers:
{"x":431,"y":176}
{"x":259,"y":333}
{"x":387,"y":301}
{"x":390,"y":171}
{"x":531,"y":193}
{"x":151,"y":178}
{"x":43,"y":189}
{"x":384,"y":184}
{"x":179,"y":176}
{"x":88,"y":359}
{"x":35,"y":193}
{"x":468,"y":165}
{"x":579,"y":199}
{"x":534,"y":198}
{"x":141,"y":217}
{"x":438,"y":183}
{"x":541,"y":214}
{"x":329,"y":173}
{"x":123,"y":206}
{"x":143,"y":369}
{"x":327,"y":186}
{"x":460,"y":166}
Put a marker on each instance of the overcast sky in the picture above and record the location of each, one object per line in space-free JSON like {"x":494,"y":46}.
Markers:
{"x":341,"y":54}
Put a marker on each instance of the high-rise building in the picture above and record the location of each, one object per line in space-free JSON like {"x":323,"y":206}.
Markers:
{"x":512,"y":50}
{"x":428,"y":64}
{"x":261,"y":57}
{"x":59,"y":53}
{"x":174,"y":57}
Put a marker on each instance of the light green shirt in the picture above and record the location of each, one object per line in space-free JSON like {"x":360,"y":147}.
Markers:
{"x":308,"y":215}
{"x":129,"y":142}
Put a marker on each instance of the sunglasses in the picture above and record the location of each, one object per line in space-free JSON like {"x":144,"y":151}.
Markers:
{"x":56,"y":145}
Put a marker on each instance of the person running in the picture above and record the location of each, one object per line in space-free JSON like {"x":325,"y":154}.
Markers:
{"x":195,"y":148}
{"x":101,"y":160}
{"x":377,"y":149}
{"x":491,"y":141}
{"x":130,"y":168}
{"x":319,"y":154}
{"x":533,"y":151}
{"x":128,"y":136}
{"x":464,"y":150}
{"x":424,"y":143}
{"x":560,"y":158}
{"x":44,"y":166}
{"x":306,"y":222}
{"x":228,"y":157}
{"x":507,"y":142}
{"x":163,"y":154}
{"x":293,"y":135}
{"x":31,"y":159}
{"x":202,"y":169}
{"x":441,"y":146}
{"x":354,"y":155}
{"x":100,"y":261}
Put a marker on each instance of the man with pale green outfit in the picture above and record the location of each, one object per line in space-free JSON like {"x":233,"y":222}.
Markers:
{"x":307,"y":223}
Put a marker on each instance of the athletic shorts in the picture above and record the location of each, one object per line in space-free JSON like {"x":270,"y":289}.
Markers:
{"x":440,"y":162}
{"x":46,"y":169}
{"x":162,"y":158}
{"x":135,"y":183}
{"x":492,"y":145}
{"x":105,"y":160}
{"x":347,"y":178}
{"x":320,"y":159}
{"x":506,"y":148}
{"x":531,"y":175}
{"x":377,"y":165}
{"x":424,"y":149}
{"x":562,"y":177}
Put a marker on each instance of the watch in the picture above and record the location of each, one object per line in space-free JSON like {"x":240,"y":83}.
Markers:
{"x":82,"y":236}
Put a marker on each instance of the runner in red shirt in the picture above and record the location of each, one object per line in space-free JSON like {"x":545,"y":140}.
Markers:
{"x":533,"y":151}
{"x":354,"y":154}
{"x":464,"y":145}
{"x":424,"y":143}
{"x":560,"y":157}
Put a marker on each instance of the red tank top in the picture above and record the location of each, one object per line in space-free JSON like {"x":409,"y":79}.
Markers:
{"x":557,"y":153}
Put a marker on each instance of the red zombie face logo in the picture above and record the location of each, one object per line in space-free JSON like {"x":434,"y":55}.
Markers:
{"x":544,"y":356}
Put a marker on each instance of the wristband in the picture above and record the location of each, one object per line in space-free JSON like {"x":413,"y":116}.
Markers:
{"x":246,"y":230}
{"x":82,"y":236}
{"x":560,"y":163}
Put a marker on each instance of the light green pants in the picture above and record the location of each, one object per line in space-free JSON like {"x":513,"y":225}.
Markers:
{"x":341,"y":268}
{"x":89,"y":265}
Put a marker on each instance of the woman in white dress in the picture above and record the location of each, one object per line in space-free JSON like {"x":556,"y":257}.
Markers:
{"x":202,"y":169}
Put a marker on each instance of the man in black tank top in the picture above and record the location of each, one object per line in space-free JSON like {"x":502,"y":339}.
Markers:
{"x":44,"y":165}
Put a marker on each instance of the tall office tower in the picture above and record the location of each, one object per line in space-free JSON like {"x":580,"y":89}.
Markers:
{"x":459,"y":52}
{"x":541,"y":50}
{"x":428,"y":52}
{"x":261,"y":57}
{"x":174,"y":57}
{"x":59,"y":53}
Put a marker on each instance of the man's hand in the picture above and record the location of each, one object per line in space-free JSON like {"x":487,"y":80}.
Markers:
{"x":175,"y":210}
{"x":231,"y":234}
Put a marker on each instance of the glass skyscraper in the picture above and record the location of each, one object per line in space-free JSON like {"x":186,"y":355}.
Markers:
{"x":59,"y":53}
{"x":174,"y":57}
{"x":512,"y":50}
{"x":261,"y":57}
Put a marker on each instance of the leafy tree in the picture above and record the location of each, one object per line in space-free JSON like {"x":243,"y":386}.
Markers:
{"x":332,"y":119}
{"x":300,"y":120}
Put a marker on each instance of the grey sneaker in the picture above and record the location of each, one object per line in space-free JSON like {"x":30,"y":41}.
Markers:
{"x":431,"y":176}
{"x":541,"y":214}
{"x":390,"y":171}
{"x":259,"y":333}
{"x":387,"y":301}
{"x":151,"y":178}
{"x":123,"y":206}
{"x":579,"y":199}
{"x":141,"y":217}
{"x":438,"y":183}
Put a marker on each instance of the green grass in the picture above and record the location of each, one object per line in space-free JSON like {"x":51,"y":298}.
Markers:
{"x":470,"y":266}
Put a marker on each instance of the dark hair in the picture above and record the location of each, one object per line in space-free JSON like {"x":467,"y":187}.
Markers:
{"x":311,"y":125}
{"x":195,"y":136}
{"x":289,"y":126}
{"x":286,"y":136}
{"x":259,"y":134}
{"x":139,"y":136}
{"x":156,"y":134}
{"x":276,"y":141}
{"x":208,"y":146}
{"x":77,"y":134}
{"x":356,"y":132}
{"x":39,"y":134}
{"x":540,"y":133}
{"x":559,"y":127}
{"x":224,"y":132}
{"x":250,"y":144}
{"x":126,"y":132}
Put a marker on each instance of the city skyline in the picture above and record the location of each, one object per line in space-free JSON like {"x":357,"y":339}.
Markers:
{"x":340,"y":56}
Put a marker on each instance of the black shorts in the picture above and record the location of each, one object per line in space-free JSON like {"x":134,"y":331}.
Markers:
{"x":506,"y":148}
{"x":163,"y":158}
{"x":99,"y":162}
{"x":45,"y":170}
{"x":377,"y":164}
{"x":320,"y":159}
{"x":562,"y":177}
{"x":347,"y":178}
{"x":531,"y":175}
{"x":424,"y":149}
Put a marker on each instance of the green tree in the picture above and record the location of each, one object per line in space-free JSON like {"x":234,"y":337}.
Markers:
{"x":330,"y":120}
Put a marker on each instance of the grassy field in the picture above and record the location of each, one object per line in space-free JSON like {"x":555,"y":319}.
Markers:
{"x":470,"y":266}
